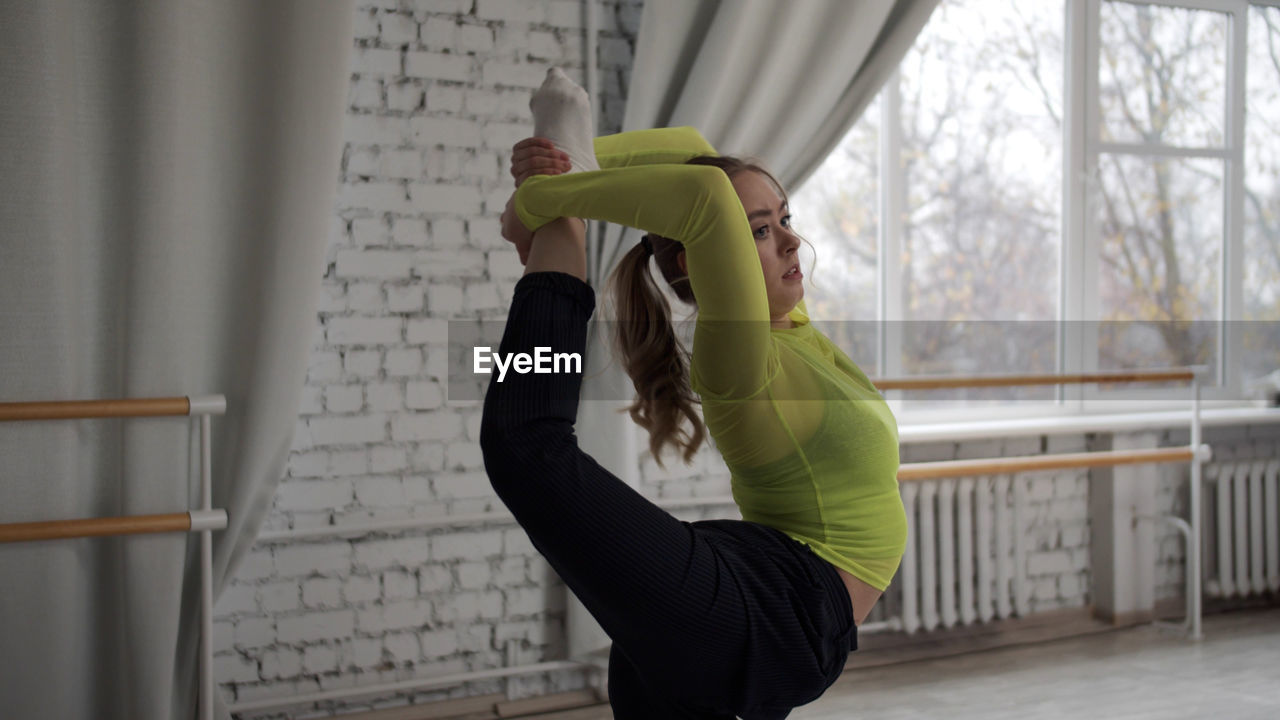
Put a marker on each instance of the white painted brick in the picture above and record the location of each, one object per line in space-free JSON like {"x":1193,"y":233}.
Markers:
{"x":222,"y":636}
{"x":345,"y":463}
{"x":517,"y":630}
{"x":502,"y":136}
{"x":369,"y":232}
{"x":322,"y":366}
{"x":473,"y":575}
{"x":365,"y":297}
{"x":513,"y":105}
{"x":475,"y":639}
{"x":447,"y":233}
{"x":257,"y":565}
{"x":280,"y":663}
{"x":439,"y":643}
{"x":254,"y":633}
{"x":399,"y":585}
{"x":1069,"y":585}
{"x":406,"y":298}
{"x":369,"y":129}
{"x":402,"y":647}
{"x":236,"y":599}
{"x":484,"y":166}
{"x":567,"y":14}
{"x":363,"y":331}
{"x":466,"y":606}
{"x":456,"y":7}
{"x":434,"y":578}
{"x":333,"y":297}
{"x":479,"y":101}
{"x":438,"y":66}
{"x":1045,"y":589}
{"x":429,"y":330}
{"x":362,"y":163}
{"x":444,"y":166}
{"x":385,"y":396}
{"x":467,"y":546}
{"x":380,"y":491}
{"x":278,"y":597}
{"x":507,"y":74}
{"x":436,"y":264}
{"x":399,"y":615}
{"x":511,"y":13}
{"x":365,"y":653}
{"x":234,"y":668}
{"x":409,"y":232}
{"x":375,"y":196}
{"x":516,"y":542}
{"x":320,"y":558}
{"x":464,"y":456}
{"x":403,"y":362}
{"x":380,"y":554}
{"x":439,"y":33}
{"x":1048,"y":563}
{"x":475,"y":39}
{"x":444,"y":198}
{"x":525,"y":601}
{"x":365,"y":25}
{"x":382,"y":264}
{"x":434,"y":425}
{"x":344,"y":398}
{"x":375,"y":61}
{"x":443,"y":99}
{"x":479,"y":297}
{"x":1040,"y":488}
{"x":347,"y":430}
{"x":364,"y":364}
{"x":444,"y":300}
{"x":318,"y":659}
{"x":312,"y":401}
{"x":322,"y":593}
{"x":545,"y":46}
{"x":482,"y":231}
{"x":388,"y":459}
{"x":614,"y":53}
{"x":361,"y":588}
{"x":402,"y":164}
{"x":510,"y":571}
{"x":365,"y":93}
{"x":427,"y":457}
{"x":398,"y":29}
{"x":315,"y":626}
{"x":320,"y":494}
{"x":462,"y":486}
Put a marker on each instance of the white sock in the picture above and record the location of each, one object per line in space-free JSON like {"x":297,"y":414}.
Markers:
{"x":562,"y":114}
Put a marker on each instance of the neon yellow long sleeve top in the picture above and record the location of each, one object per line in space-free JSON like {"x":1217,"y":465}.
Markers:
{"x":811,"y":446}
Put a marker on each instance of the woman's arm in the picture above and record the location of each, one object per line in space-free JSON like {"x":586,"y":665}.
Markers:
{"x":651,"y":147}
{"x":698,"y":206}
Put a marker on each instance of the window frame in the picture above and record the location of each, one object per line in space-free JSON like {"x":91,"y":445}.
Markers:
{"x":1078,"y":304}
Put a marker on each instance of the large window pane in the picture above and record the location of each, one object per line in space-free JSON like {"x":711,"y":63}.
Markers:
{"x":1161,"y":246}
{"x":982,"y":155}
{"x":837,"y":211}
{"x":1262,"y":197}
{"x":1162,"y":74}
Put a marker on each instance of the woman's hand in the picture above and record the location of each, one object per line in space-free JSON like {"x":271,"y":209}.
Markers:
{"x":536,"y":156}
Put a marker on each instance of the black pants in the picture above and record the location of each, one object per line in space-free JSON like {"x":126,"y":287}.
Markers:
{"x":709,"y":619}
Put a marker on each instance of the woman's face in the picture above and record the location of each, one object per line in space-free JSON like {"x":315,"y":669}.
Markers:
{"x":770,"y":221}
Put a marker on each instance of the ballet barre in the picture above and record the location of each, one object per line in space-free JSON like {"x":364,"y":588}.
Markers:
{"x":1195,"y":453}
{"x":204,"y":520}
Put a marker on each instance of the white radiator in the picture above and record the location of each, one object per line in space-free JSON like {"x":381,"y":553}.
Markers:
{"x":1242,"y":534}
{"x":964,"y":561}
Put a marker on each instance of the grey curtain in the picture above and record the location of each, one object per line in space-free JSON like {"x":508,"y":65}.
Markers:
{"x":169,"y":170}
{"x":778,"y":80}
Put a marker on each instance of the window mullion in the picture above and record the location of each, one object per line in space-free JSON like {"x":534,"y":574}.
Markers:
{"x":892,"y":202}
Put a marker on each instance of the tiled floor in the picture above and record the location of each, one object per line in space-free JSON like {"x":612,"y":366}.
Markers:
{"x":1232,"y":674}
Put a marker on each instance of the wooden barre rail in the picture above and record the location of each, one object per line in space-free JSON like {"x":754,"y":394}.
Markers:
{"x":1003,"y":466}
{"x":938,"y":382}
{"x":85,"y":409}
{"x":193,"y":521}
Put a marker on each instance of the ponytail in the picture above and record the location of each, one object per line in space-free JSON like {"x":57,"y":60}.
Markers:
{"x":652,"y":355}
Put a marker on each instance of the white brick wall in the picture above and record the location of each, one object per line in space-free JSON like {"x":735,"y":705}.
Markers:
{"x":439,"y":91}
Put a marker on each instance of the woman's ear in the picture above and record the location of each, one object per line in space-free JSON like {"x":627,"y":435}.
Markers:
{"x":680,"y":261}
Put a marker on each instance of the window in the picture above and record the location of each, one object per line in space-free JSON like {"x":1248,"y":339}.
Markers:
{"x":1059,"y":186}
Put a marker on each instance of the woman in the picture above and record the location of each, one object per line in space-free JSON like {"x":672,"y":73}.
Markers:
{"x":712,"y":619}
